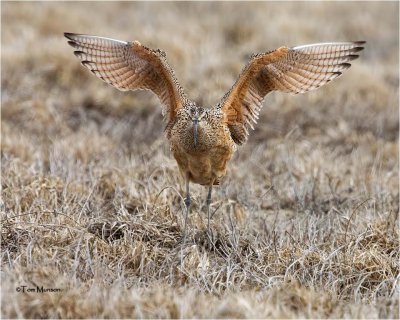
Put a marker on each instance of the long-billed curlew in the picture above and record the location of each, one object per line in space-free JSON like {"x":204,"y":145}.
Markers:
{"x":203,"y":140}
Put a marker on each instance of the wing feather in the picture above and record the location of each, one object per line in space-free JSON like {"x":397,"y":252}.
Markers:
{"x":292,"y":70}
{"x":130,"y":66}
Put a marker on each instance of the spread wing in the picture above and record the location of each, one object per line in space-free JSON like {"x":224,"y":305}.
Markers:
{"x":130,"y":66}
{"x":293,"y":70}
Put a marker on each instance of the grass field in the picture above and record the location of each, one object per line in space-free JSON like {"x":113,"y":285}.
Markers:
{"x":306,"y":222}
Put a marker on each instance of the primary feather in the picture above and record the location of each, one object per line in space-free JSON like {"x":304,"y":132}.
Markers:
{"x":129,"y":66}
{"x":292,"y":70}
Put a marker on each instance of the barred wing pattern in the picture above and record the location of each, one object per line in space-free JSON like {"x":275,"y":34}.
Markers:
{"x":293,"y":70}
{"x":130,"y":66}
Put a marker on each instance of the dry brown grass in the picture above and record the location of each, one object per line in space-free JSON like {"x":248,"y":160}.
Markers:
{"x":306,"y":222}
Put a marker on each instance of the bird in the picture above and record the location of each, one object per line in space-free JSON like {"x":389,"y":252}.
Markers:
{"x":203,"y":140}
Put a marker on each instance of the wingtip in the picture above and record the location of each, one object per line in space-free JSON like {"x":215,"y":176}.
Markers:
{"x":352,"y":56}
{"x":69,"y":35}
{"x":356,"y":49}
{"x":73,"y":44}
{"x":78,"y":53}
{"x":359,"y":45}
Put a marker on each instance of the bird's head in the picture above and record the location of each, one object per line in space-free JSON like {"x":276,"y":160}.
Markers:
{"x":195,"y":114}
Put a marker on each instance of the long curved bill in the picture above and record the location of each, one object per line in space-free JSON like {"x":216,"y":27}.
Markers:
{"x":195,"y":125}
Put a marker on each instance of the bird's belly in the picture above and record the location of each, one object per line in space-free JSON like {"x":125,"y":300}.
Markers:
{"x":204,"y":168}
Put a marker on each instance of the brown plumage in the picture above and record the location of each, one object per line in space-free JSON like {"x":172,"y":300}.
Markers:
{"x":204,"y":140}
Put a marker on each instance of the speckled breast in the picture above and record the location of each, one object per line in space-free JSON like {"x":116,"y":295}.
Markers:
{"x":205,"y":163}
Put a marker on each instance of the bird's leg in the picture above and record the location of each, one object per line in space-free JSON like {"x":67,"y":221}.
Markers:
{"x":208,"y":208}
{"x":187,"y":205}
